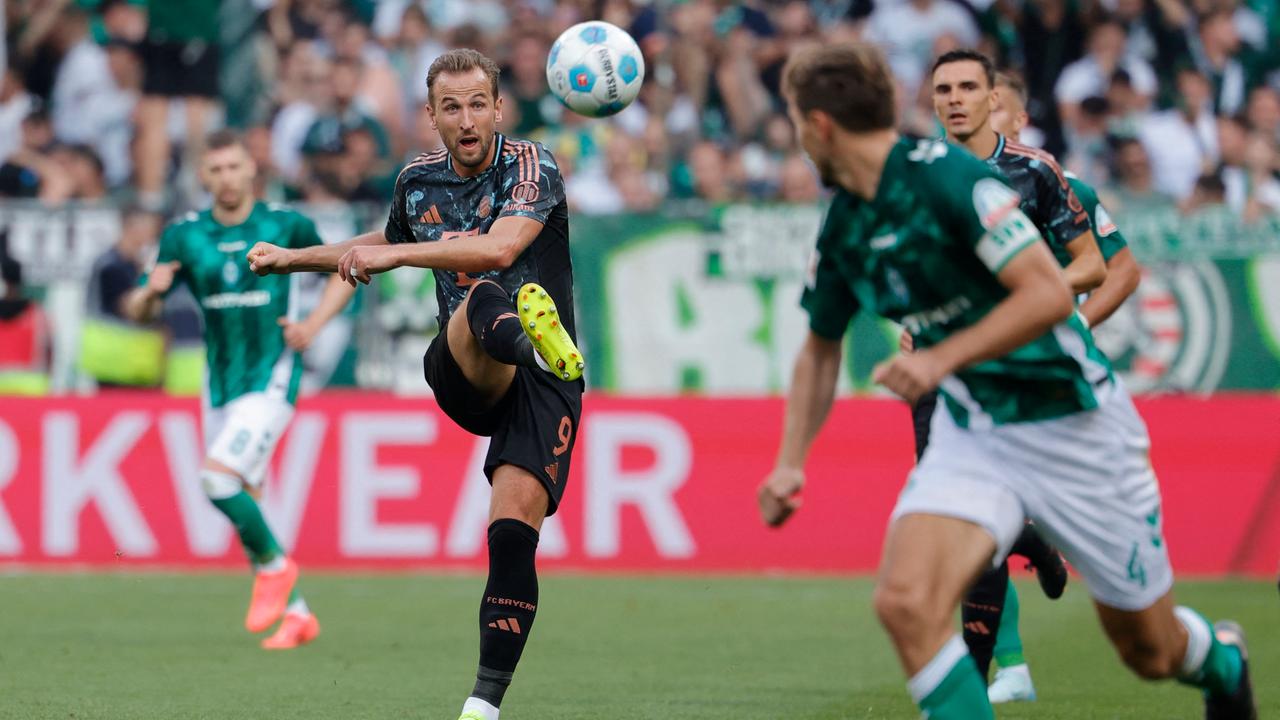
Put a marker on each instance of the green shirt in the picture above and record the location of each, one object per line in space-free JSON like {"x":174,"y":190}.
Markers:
{"x":925,"y":253}
{"x":182,"y":20}
{"x":1110,"y":240}
{"x":244,"y":344}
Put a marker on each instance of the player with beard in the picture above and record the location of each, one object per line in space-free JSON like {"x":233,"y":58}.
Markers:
{"x":488,"y":214}
{"x":253,"y":335}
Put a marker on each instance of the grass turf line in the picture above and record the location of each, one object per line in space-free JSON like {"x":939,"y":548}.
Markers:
{"x":115,"y":646}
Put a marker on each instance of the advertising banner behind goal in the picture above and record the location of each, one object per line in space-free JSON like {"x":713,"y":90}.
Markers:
{"x":375,"y":481}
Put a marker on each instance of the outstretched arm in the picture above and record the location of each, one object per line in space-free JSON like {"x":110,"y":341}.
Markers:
{"x":494,"y":250}
{"x":813,"y":388}
{"x":266,"y":259}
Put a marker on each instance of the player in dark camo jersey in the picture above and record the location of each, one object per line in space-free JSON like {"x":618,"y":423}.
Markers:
{"x":1033,"y":424}
{"x":488,"y":214}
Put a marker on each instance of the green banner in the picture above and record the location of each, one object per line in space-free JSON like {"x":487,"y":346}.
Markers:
{"x":708,"y":302}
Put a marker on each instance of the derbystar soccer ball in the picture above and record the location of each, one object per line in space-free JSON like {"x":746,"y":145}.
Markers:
{"x":595,"y":68}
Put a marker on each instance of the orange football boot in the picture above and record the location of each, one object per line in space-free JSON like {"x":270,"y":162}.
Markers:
{"x":270,"y":596}
{"x":296,"y":630}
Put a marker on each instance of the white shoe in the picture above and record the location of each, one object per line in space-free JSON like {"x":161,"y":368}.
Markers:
{"x":1012,"y":684}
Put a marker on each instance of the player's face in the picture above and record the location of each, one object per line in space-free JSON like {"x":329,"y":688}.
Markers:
{"x":962,"y":98}
{"x":1008,"y":117}
{"x":809,"y":136}
{"x":227,"y":173}
{"x":465,"y":113}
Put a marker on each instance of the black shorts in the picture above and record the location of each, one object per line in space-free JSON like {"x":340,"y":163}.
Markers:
{"x":534,"y":426}
{"x":180,"y":69}
{"x":921,"y":417}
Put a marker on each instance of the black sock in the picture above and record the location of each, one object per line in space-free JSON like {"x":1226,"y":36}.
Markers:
{"x":1033,"y":547}
{"x":507,"y":609}
{"x":980,"y":612}
{"x":493,"y":320}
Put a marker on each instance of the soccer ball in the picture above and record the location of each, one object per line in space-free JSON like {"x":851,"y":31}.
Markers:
{"x":595,"y":69}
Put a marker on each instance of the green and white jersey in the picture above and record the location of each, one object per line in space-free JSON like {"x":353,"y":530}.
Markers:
{"x":244,"y":344}
{"x":925,"y":253}
{"x":1110,"y":240}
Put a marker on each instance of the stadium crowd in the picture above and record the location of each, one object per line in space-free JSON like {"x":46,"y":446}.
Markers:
{"x":1158,"y":103}
{"x":107,"y":99}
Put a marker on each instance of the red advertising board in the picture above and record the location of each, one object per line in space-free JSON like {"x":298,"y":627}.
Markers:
{"x":367,"y":480}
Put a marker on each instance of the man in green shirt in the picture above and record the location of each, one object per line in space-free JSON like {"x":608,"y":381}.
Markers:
{"x":252,"y":336}
{"x":1031,"y":422}
{"x":1008,"y":117}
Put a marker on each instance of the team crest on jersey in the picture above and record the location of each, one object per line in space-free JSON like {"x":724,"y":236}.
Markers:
{"x":525,"y":192}
{"x":486,"y":207}
{"x":897,"y":286}
{"x":230,"y":272}
{"x":993,"y":200}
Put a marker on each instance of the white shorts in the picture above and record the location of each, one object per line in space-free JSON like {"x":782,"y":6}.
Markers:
{"x":1084,"y":479}
{"x":243,"y":433}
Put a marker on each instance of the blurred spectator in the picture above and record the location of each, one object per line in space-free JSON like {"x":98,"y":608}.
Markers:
{"x":908,"y":30}
{"x":527,"y":94}
{"x":15,"y":104}
{"x":180,"y":59}
{"x":1051,"y":34}
{"x":1090,"y":76}
{"x":305,"y":94}
{"x":30,"y":171}
{"x":1183,"y":142}
{"x":24,"y":335}
{"x":86,"y":105}
{"x":1133,"y":186}
{"x":1216,"y":57}
{"x":1263,"y":113}
{"x":1207,"y":194}
{"x":799,"y":181}
{"x":116,"y":272}
{"x":86,"y":176}
{"x":708,"y":169}
{"x":267,"y":183}
{"x":1262,"y":163}
{"x":413,"y":51}
{"x":1087,"y":140}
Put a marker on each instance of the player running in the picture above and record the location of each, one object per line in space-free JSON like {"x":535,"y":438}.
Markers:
{"x":488,"y":215}
{"x":1032,"y":423}
{"x":963,"y":98}
{"x":1013,"y":677}
{"x":252,"y":336}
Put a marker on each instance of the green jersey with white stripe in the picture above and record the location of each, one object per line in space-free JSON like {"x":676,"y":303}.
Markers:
{"x":1110,"y":240}
{"x":925,"y":253}
{"x":244,"y":344}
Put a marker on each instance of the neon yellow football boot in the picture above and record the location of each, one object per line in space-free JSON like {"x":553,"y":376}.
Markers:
{"x":541,"y":322}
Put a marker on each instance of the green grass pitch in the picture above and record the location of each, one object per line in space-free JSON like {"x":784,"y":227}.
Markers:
{"x":88,"y":646}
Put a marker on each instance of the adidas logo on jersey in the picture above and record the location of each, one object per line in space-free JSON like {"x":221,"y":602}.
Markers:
{"x":431,"y":216}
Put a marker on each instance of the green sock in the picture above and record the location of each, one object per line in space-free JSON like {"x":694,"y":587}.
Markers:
{"x":1209,"y":665}
{"x":243,"y":512}
{"x":1008,"y":649}
{"x":950,"y":688}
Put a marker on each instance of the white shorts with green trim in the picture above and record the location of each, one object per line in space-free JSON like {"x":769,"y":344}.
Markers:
{"x":242,"y":434}
{"x":1084,"y":479}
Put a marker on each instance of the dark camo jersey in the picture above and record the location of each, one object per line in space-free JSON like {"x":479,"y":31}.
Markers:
{"x":244,"y":344}
{"x":433,"y":203}
{"x":925,"y":253}
{"x":1047,"y":197}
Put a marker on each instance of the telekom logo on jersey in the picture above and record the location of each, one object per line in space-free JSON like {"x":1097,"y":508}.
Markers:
{"x":85,"y":472}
